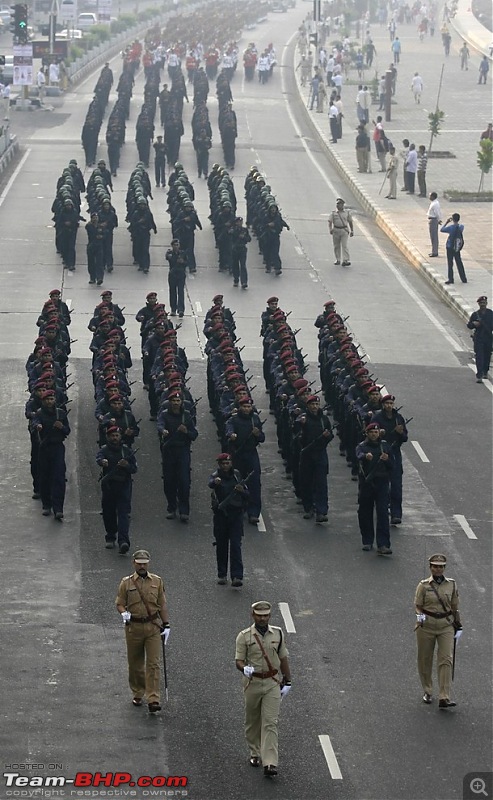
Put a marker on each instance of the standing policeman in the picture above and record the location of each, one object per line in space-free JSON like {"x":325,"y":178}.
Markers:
{"x":341,"y":228}
{"x":438,"y":623}
{"x":262,"y":656}
{"x":141,"y":601}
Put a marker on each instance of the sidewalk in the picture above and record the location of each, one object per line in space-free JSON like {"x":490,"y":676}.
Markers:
{"x":468,"y":110}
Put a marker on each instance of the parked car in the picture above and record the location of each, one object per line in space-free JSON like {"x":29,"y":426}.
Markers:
{"x":7,"y":71}
{"x":279,"y":7}
{"x":70,"y":33}
{"x":86,"y":20}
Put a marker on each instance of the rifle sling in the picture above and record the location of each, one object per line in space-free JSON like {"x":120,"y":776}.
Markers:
{"x":267,"y":659}
{"x":149,"y":612}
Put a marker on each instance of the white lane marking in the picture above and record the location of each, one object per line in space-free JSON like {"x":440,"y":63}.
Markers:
{"x":69,"y":303}
{"x":486,"y":382}
{"x":298,"y":250}
{"x":15,"y":173}
{"x":465,"y":526}
{"x":366,"y":233}
{"x":421,"y":453}
{"x":198,"y":307}
{"x":288,"y":619}
{"x":330,"y":757}
{"x":261,"y":524}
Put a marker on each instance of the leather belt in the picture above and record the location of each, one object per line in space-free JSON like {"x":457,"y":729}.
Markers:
{"x":269,"y":674}
{"x":437,"y":614}
{"x":144,"y":619}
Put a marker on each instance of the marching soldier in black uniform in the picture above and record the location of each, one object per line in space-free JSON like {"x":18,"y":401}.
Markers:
{"x":118,"y":464}
{"x":229,"y":497}
{"x":315,"y":433}
{"x":52,"y":426}
{"x":176,"y":432}
{"x":375,"y":463}
{"x":394,"y":430}
{"x":244,"y":433}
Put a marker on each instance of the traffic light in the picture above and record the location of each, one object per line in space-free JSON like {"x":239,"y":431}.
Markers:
{"x":20,"y":30}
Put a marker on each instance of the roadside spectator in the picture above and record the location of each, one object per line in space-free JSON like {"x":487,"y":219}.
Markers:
{"x":41,"y":82}
{"x":362,"y":149}
{"x":455,"y":237}
{"x":379,"y":138}
{"x":381,"y":92}
{"x":464,"y":56}
{"x":403,"y":154}
{"x":422,"y":165}
{"x":434,"y":220}
{"x":54,"y":75}
{"x":363,"y":103}
{"x":396,"y":49}
{"x":321,"y":96}
{"x":484,"y":68}
{"x":333,"y":121}
{"x":417,"y":87}
{"x":411,"y":168}
{"x":314,"y":83}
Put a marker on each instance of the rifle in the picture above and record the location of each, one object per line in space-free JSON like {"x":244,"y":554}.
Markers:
{"x":102,"y":478}
{"x":226,"y":500}
{"x":309,"y":446}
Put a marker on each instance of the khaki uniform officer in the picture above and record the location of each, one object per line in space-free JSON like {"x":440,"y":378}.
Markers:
{"x":438,"y":622}
{"x":262,"y":656}
{"x":341,"y":228}
{"x":142,"y":603}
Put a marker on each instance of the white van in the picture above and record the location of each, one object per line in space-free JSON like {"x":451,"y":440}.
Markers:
{"x":86,"y":20}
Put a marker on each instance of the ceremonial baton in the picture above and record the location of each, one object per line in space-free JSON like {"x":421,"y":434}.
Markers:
{"x":165,"y":672}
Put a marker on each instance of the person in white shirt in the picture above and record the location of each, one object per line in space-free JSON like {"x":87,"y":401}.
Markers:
{"x":334,"y":121}
{"x":41,"y":82}
{"x":417,"y":87}
{"x":434,"y":221}
{"x":54,"y":75}
{"x":411,"y":168}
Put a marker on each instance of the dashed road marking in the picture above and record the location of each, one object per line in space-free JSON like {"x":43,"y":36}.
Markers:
{"x":465,"y":526}
{"x":198,"y":307}
{"x":330,"y":757}
{"x":261,"y":524}
{"x":486,"y":382}
{"x":14,"y":175}
{"x":421,"y":453}
{"x":288,"y":619}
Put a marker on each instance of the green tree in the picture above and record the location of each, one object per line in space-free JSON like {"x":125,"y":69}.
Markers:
{"x":485,"y":159}
{"x":434,"y":123}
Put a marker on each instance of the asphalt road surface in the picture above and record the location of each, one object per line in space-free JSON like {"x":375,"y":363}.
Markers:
{"x":353,"y":726}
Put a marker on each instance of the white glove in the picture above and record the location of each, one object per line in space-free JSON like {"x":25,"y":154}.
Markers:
{"x":126,"y":615}
{"x":421,"y":617}
{"x":248,"y":671}
{"x":165,"y":634}
{"x":285,"y":690}
{"x":458,"y":634}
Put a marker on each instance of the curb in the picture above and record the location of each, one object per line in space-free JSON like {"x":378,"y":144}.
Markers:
{"x":399,"y":239}
{"x":9,"y":154}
